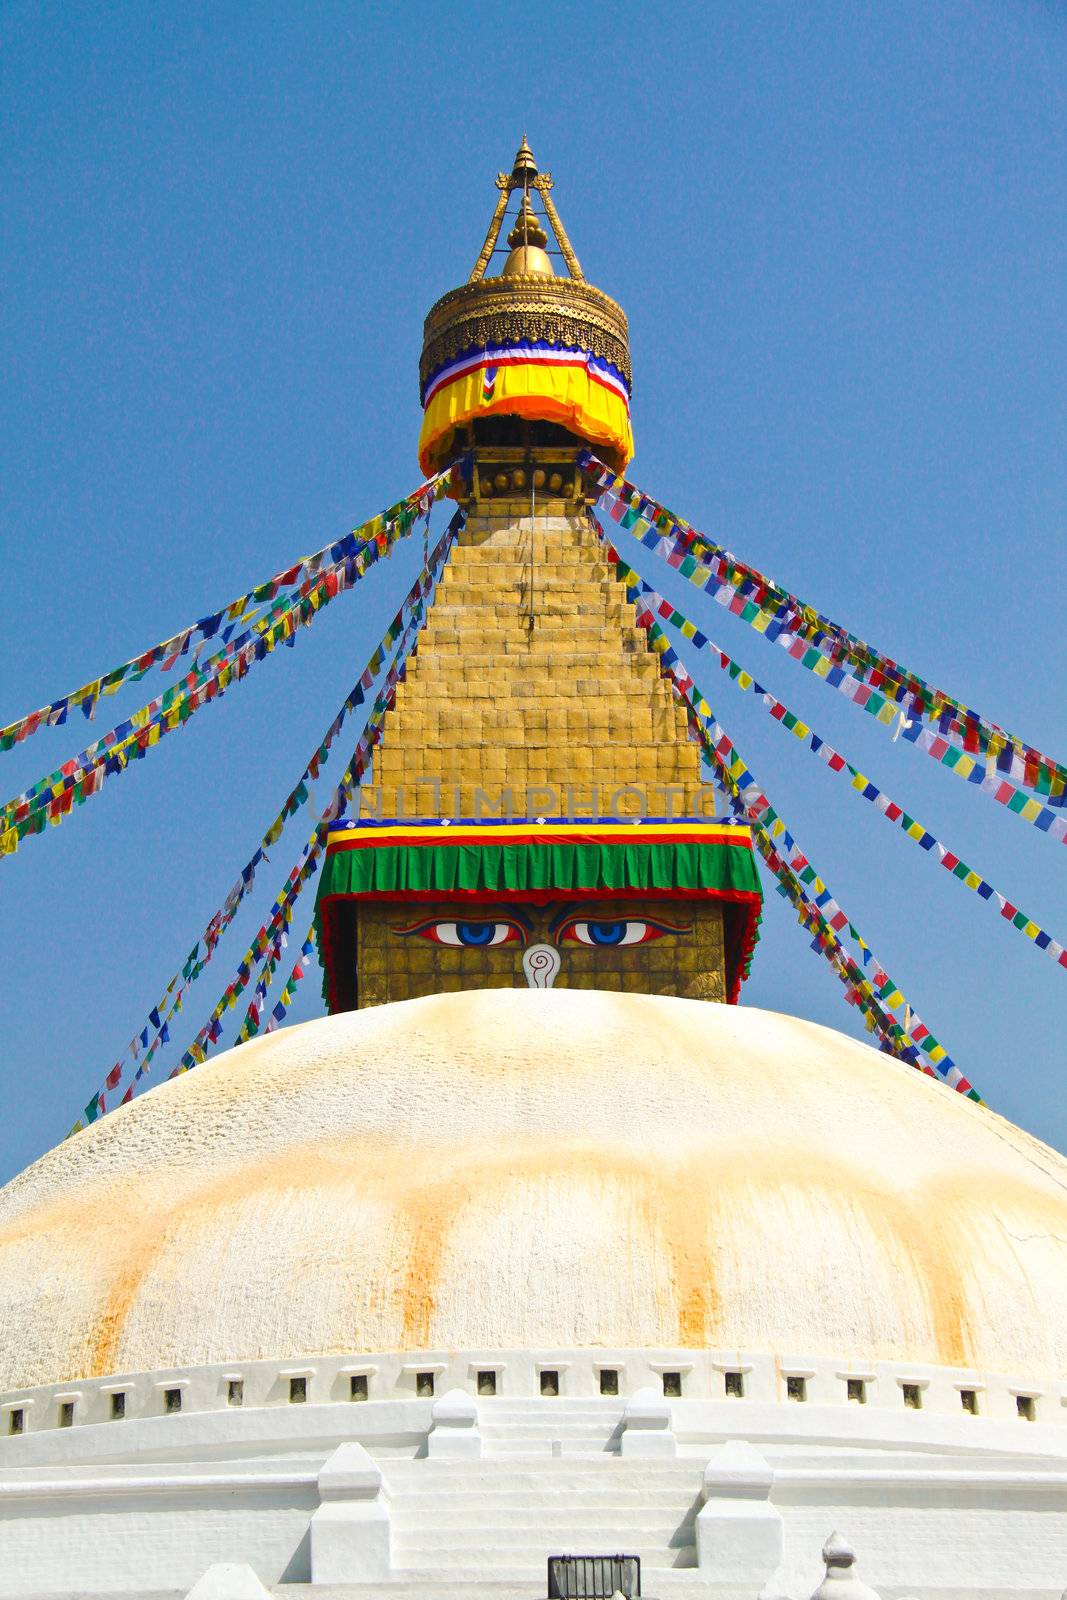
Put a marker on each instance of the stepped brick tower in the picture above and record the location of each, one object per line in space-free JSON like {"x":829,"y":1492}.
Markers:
{"x":532,"y":692}
{"x":533,"y":697}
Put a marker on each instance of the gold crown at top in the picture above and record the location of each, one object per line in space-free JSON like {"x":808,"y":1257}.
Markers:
{"x":528,"y":301}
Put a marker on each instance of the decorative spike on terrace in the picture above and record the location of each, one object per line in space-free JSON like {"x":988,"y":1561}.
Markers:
{"x":534,"y":790}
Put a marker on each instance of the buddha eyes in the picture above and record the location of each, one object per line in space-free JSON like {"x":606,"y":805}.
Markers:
{"x":600,"y":933}
{"x":468,"y":935}
{"x":605,"y":934}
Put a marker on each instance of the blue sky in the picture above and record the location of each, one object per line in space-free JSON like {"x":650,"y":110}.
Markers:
{"x":840,"y":233}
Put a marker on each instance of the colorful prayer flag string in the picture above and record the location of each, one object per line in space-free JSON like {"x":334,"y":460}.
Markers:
{"x":809,"y":895}
{"x":387,"y":526}
{"x":650,"y":605}
{"x":197,"y":959}
{"x":254,"y":1015}
{"x":964,"y":741}
{"x":819,"y":912}
{"x":299,"y":971}
{"x":307,"y":865}
{"x":416,"y":605}
{"x":53,"y":798}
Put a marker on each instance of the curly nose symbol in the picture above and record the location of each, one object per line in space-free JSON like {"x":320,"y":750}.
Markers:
{"x":540,"y":962}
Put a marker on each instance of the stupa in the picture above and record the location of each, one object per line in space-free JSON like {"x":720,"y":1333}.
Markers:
{"x":540,"y":1244}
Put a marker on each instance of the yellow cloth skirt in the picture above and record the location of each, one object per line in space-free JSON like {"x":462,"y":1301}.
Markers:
{"x":567,"y":394}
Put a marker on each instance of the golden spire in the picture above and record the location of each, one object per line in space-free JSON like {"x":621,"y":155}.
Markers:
{"x":530,"y":303}
{"x":527,"y":240}
{"x":525,"y":176}
{"x":524,"y":169}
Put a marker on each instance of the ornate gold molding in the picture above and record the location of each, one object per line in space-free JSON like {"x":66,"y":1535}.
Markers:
{"x":561,"y":311}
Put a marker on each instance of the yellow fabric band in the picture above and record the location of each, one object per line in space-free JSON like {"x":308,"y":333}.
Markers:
{"x":564,"y":394}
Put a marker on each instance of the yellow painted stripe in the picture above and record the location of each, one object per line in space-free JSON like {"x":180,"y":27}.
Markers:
{"x":700,"y":833}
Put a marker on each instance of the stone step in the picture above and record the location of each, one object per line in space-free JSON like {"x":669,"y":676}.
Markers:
{"x":549,"y":1408}
{"x":623,"y":692}
{"x":619,"y":1473}
{"x":510,"y":536}
{"x":427,"y":1583}
{"x":543,"y":1447}
{"x":488,"y":580}
{"x":477,"y":1552}
{"x":474,"y":1583}
{"x":533,"y":1429}
{"x":645,"y":1527}
{"x":436,"y":662}
{"x":514,"y":612}
{"x":611,"y":643}
{"x":649,"y":1481}
{"x":678,"y":1500}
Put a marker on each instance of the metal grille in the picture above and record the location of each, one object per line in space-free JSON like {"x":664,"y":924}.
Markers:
{"x":593,"y":1577}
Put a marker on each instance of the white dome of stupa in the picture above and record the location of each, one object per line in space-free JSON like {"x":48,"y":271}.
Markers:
{"x":527,"y":1169}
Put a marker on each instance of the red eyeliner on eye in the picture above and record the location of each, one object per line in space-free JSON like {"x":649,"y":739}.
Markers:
{"x":427,"y":929}
{"x":653,"y":929}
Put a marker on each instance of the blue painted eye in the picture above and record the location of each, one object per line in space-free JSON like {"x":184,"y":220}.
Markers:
{"x":469,"y":935}
{"x":606,"y":934}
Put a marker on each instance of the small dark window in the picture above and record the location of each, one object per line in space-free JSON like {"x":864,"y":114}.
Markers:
{"x":424,"y":1385}
{"x":66,"y":1414}
{"x":235,"y":1392}
{"x":609,"y":1380}
{"x":118,"y":1404}
{"x":969,"y":1401}
{"x":796,"y":1388}
{"x":357,"y":1386}
{"x":672,"y":1385}
{"x":857,"y":1391}
{"x":16,"y":1420}
{"x":549,"y":1381}
{"x":913,"y":1396}
{"x":1024,"y":1405}
{"x":298,"y":1391}
{"x":487,"y":1382}
{"x":735,"y":1385}
{"x":172,"y":1401}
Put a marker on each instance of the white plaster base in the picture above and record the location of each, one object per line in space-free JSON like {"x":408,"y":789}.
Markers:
{"x":937,"y":1508}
